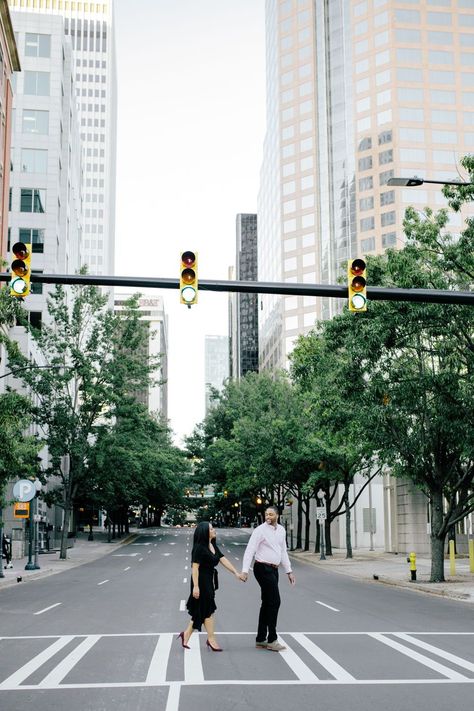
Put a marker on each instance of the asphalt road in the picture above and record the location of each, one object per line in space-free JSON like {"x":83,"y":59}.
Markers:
{"x":102,"y":636}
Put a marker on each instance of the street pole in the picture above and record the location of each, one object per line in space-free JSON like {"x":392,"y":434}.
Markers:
{"x":371,"y":527}
{"x":2,"y":574}
{"x":30,"y":565}
{"x":322,"y":522}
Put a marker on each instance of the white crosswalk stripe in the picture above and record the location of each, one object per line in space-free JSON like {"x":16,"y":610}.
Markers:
{"x":305,"y":654}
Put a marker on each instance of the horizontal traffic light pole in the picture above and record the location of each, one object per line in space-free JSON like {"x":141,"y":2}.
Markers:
{"x":374,"y":293}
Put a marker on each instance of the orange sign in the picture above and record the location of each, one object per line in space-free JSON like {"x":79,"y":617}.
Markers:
{"x":21,"y":510}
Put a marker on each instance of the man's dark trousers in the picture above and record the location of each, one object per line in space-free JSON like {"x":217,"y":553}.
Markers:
{"x":267,"y":578}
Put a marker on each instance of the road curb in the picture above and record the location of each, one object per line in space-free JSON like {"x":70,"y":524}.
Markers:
{"x":380,"y":578}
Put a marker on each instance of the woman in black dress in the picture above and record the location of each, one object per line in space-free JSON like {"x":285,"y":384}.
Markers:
{"x":201,"y":603}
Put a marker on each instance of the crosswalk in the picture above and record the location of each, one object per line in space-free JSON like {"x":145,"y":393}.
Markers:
{"x":156,"y":659}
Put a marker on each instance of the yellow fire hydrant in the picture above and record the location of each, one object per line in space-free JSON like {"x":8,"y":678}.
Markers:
{"x":412,"y":560}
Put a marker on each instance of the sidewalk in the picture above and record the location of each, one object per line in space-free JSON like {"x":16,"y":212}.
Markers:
{"x":392,"y":569}
{"x":83,"y":551}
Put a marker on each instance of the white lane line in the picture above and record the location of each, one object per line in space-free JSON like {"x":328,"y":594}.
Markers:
{"x":103,"y":582}
{"x":40,"y":612}
{"x":193,"y":672}
{"x":173,"y":697}
{"x":185,"y":580}
{"x":186,"y":567}
{"x":182,"y":605}
{"x":297,"y":666}
{"x":324,"y":659}
{"x":159,"y":662}
{"x":140,"y":560}
{"x":55,"y":677}
{"x":236,"y":557}
{"x":25,"y":671}
{"x":328,"y":606}
{"x":148,"y":552}
{"x":420,"y":658}
{"x":435,"y":650}
{"x":127,"y":568}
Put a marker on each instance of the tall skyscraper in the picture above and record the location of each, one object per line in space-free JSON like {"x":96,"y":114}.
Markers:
{"x":91,"y":29}
{"x":9,"y":63}
{"x":46,"y":177}
{"x":243,"y":312}
{"x":216,"y":365}
{"x":357,"y":92}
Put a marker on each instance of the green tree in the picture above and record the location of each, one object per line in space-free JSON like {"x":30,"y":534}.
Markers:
{"x":134,"y":463}
{"x":417,"y":361}
{"x":94,"y":359}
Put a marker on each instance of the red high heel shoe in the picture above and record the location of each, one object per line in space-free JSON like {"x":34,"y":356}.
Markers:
{"x":214,"y":649}
{"x":181,"y":637}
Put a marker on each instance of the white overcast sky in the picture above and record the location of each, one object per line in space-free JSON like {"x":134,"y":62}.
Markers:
{"x":191,"y":115}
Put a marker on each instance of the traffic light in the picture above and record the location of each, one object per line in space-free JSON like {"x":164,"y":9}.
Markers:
{"x":20,"y":269}
{"x":357,"y":285}
{"x":188,"y":279}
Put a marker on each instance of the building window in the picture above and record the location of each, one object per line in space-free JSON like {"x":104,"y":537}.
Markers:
{"x":365,"y":144}
{"x":386,"y":157}
{"x":35,"y":318}
{"x":32,"y":236}
{"x":387,"y":198}
{"x":389,"y":239}
{"x":385,"y":176}
{"x":34,"y":160}
{"x":366,"y":203}
{"x":368,"y":245}
{"x":387,"y":218}
{"x":365,"y":163}
{"x":385,"y":137}
{"x":36,"y":83}
{"x":35,"y":122}
{"x":32,"y":200}
{"x":366,"y":183}
{"x":35,"y":287}
{"x":37,"y":45}
{"x":367,"y":223}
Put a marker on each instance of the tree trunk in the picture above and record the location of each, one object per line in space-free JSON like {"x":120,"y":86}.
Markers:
{"x":307,"y":524}
{"x":348,"y":522}
{"x":437,"y":541}
{"x":299,"y":523}
{"x":64,"y":533}
{"x":327,"y":533}
{"x":317,"y":542}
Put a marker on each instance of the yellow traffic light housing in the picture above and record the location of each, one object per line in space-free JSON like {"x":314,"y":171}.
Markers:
{"x":188,"y":279}
{"x":20,"y":269}
{"x":357,"y":285}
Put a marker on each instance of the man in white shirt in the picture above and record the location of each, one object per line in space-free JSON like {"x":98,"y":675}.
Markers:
{"x":268,"y":544}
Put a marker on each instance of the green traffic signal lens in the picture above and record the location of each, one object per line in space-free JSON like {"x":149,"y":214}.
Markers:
{"x":19,"y":286}
{"x":188,"y":294}
{"x":358,"y":301}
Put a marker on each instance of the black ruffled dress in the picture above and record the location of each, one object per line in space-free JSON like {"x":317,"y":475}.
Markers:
{"x":205,"y":605}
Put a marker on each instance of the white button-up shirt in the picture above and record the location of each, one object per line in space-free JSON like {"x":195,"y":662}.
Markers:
{"x":268,"y":544}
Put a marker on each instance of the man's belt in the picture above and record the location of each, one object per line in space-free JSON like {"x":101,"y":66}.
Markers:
{"x":262,"y":562}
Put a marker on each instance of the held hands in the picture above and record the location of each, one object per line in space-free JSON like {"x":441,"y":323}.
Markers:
{"x":243,"y":577}
{"x":239,"y":576}
{"x":196,"y":592}
{"x":291,"y":579}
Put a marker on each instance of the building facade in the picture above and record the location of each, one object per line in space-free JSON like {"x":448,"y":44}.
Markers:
{"x":91,"y":29}
{"x":216,"y":365}
{"x":46,"y":178}
{"x":358,"y":92}
{"x":151,"y":308}
{"x":9,"y":63}
{"x":243,"y":308}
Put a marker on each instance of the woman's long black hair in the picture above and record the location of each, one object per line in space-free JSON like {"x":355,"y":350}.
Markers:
{"x":201,"y":534}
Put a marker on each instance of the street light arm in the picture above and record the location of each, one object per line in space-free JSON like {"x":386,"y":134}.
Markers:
{"x":28,"y":367}
{"x":415,"y":181}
